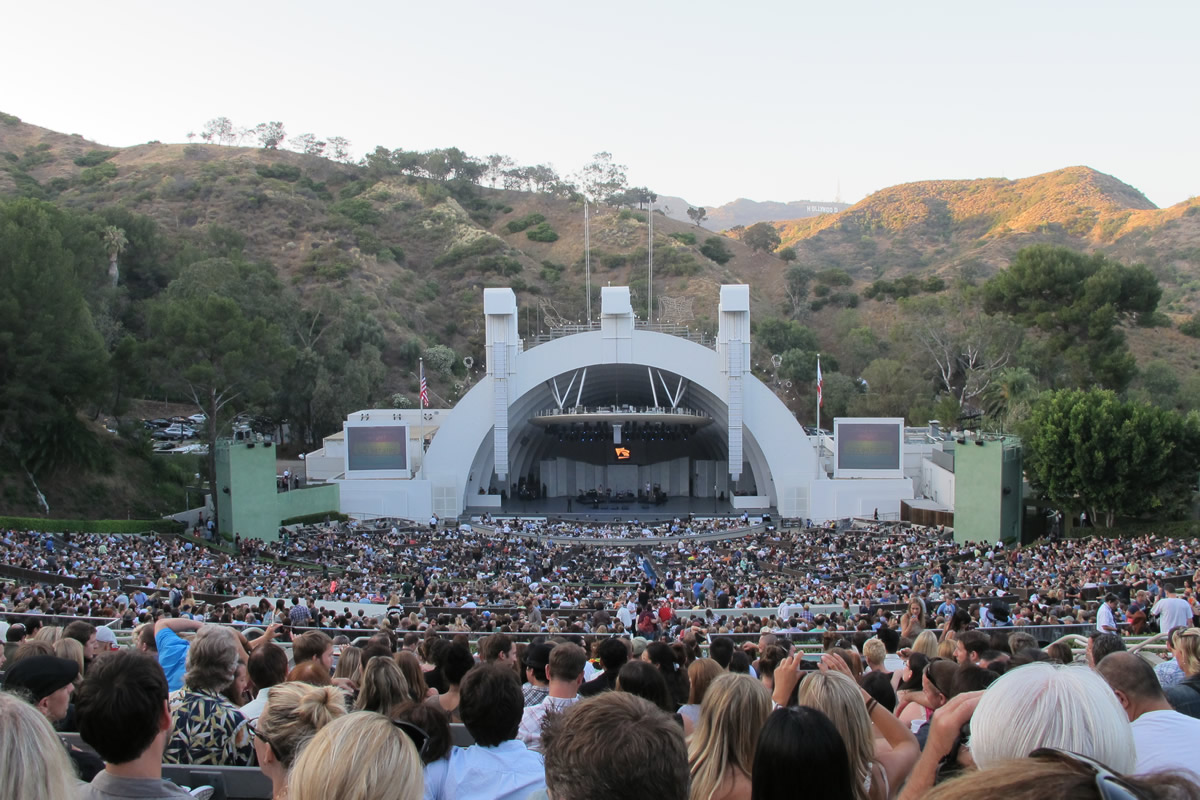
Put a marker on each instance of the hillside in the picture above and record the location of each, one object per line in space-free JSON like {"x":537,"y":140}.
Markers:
{"x":972,"y":228}
{"x":747,"y":212}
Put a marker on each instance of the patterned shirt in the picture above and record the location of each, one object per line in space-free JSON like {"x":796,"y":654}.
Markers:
{"x":534,"y":694}
{"x":209,"y":730}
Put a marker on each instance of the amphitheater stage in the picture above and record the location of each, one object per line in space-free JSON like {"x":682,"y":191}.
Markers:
{"x":615,"y":511}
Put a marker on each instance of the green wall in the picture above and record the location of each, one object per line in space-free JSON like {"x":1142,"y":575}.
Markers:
{"x":248,"y":500}
{"x":983,"y":511}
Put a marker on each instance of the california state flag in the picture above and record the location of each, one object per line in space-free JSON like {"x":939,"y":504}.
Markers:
{"x":820,"y":385}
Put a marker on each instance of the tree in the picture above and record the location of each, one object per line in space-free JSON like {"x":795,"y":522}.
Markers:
{"x":890,"y":389}
{"x":440,"y":358}
{"x":1077,"y":303}
{"x":1009,"y":396}
{"x":308,"y":144}
{"x":778,"y":335}
{"x":339,"y":149}
{"x":270,"y":134}
{"x":216,"y":343}
{"x":495,"y":166}
{"x":218,"y":130}
{"x":788,"y":254}
{"x":542,"y":177}
{"x":697,"y":215}
{"x":1089,"y":450}
{"x":114,"y":244}
{"x":796,"y":285}
{"x":602,"y":177}
{"x":761,"y":236}
{"x":714,"y":249}
{"x":52,"y":359}
{"x":968,"y":348}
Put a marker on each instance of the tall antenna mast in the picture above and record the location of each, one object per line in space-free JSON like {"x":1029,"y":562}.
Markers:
{"x":650,"y":284}
{"x":587,"y":259}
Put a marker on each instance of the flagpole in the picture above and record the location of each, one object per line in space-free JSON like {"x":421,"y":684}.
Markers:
{"x":820,"y":446}
{"x":421,"y":400}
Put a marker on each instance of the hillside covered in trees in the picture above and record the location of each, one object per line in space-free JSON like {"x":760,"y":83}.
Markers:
{"x":298,"y":286}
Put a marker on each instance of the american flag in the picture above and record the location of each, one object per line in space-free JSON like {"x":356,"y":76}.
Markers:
{"x":820,"y":385}
{"x":424,"y":391}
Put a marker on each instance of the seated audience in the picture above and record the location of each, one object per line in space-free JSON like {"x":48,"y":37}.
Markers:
{"x":1185,"y":695}
{"x":701,"y":673}
{"x":267,"y":668}
{"x":383,"y":687}
{"x":613,"y":654}
{"x":456,"y":661}
{"x":645,"y":681}
{"x":48,"y":682}
{"x":535,"y":660}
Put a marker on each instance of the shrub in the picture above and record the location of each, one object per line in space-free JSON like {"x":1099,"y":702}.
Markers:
{"x":542,"y":233}
{"x":614,"y":260}
{"x":98,"y":174}
{"x":94,"y":157}
{"x":714,"y":249}
{"x":91,"y":525}
{"x":502,"y":265}
{"x":283,"y":172}
{"x":480,"y":246}
{"x":686,"y":238}
{"x":518,"y":225}
{"x":1191,"y":327}
{"x":313,"y":519}
{"x":358,"y":209}
{"x":9,"y":119}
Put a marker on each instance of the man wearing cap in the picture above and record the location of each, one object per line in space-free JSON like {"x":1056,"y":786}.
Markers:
{"x":48,"y":683}
{"x":106,"y":640}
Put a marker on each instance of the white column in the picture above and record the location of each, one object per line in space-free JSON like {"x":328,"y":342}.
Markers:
{"x":501,"y":347}
{"x":733,"y":349}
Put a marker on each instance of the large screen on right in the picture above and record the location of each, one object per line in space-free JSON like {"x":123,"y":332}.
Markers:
{"x":868,"y":447}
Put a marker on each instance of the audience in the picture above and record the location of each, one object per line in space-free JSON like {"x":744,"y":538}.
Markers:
{"x":1163,"y":738}
{"x":565,"y":676}
{"x":35,"y":766}
{"x":721,"y":751}
{"x":360,"y":756}
{"x":384,"y":687}
{"x":207,"y":728}
{"x":799,"y":740}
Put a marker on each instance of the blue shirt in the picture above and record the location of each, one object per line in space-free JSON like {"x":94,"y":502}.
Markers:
{"x":172,"y":656}
{"x":508,"y":771}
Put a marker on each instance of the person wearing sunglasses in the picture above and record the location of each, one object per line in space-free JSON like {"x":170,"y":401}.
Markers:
{"x":294,"y":712}
{"x":1057,"y":773}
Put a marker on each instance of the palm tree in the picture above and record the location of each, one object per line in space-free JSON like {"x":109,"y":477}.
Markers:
{"x":1008,"y":398}
{"x":115,"y":244}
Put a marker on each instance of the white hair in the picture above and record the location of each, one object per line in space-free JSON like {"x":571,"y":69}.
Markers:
{"x":1048,"y":705}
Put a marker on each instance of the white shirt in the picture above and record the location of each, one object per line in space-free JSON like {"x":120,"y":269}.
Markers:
{"x":1172,"y":612}
{"x":530,"y":731}
{"x":508,"y":771}
{"x":1167,"y":740}
{"x":254,"y":709}
{"x":1105,"y":621}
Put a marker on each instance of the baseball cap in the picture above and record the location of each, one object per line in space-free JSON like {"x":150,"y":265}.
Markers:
{"x":41,"y":676}
{"x":106,"y":637}
{"x":639,"y":644}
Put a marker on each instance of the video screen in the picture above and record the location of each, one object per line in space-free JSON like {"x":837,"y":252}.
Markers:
{"x":375,"y":448}
{"x":868,"y":445}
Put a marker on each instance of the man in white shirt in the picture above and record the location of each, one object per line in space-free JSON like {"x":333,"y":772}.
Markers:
{"x":498,"y":766}
{"x":1172,"y":611}
{"x":1106,"y":620}
{"x":565,"y":673}
{"x":1164,"y":738}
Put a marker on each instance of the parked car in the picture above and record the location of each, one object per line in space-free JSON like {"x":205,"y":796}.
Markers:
{"x":180,"y":431}
{"x":198,"y":419}
{"x":158,"y":423}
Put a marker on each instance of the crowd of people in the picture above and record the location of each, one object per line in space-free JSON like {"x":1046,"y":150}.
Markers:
{"x":685,"y":714}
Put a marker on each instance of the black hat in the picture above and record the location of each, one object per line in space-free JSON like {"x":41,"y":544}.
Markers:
{"x":41,"y":676}
{"x":537,"y":656}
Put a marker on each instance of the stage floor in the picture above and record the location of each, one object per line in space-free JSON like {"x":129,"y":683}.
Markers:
{"x":557,"y":508}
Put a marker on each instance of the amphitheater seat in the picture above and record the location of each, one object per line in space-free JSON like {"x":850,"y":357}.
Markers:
{"x":230,"y":783}
{"x":460,"y":735}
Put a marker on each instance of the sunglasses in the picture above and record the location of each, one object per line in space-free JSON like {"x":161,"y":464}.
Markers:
{"x":1110,"y":785}
{"x":419,"y":737}
{"x":255,"y":733}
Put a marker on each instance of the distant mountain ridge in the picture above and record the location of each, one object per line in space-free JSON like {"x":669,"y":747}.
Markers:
{"x":747,"y":212}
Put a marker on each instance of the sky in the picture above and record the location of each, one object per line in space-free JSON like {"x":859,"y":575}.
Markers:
{"x":710,"y":101}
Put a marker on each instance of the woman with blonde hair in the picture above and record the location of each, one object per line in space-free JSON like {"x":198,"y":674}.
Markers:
{"x":383,"y":687}
{"x":926,"y":644}
{"x":721,"y":752}
{"x":913,"y":622}
{"x":36,"y":766}
{"x":71,"y":650}
{"x":361,"y":756}
{"x":293,"y":715}
{"x":1185,"y":695}
{"x":48,"y":633}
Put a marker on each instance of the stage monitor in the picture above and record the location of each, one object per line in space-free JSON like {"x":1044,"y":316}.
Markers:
{"x":376,"y":449}
{"x":868,"y":447}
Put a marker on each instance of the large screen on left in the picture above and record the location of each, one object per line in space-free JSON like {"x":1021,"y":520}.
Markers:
{"x":374,"y":448}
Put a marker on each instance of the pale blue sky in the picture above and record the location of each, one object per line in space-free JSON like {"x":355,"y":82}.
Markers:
{"x":707,"y":100}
